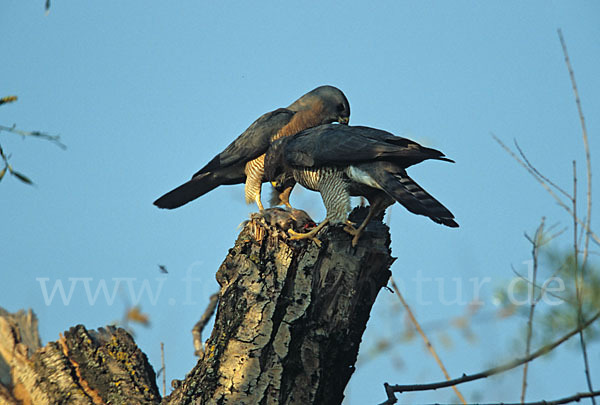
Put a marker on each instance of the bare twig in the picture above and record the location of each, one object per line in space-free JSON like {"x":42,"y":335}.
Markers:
{"x":550,"y":191}
{"x":392,"y":389}
{"x":425,"y":339}
{"x":538,"y":173}
{"x":201,"y":324}
{"x":36,"y":134}
{"x":535,"y":242}
{"x":578,"y":285}
{"x":544,"y":286}
{"x":163,"y":368}
{"x":8,"y":168}
{"x":588,"y":159}
{"x":579,"y":273}
{"x":533,"y":173}
{"x":573,"y":398}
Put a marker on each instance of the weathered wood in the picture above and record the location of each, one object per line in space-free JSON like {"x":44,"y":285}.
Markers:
{"x":19,"y":339}
{"x":290,"y":318}
{"x":82,"y":367}
{"x":289,"y":323}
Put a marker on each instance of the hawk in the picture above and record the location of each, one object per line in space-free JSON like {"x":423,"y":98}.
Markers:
{"x":340,"y":161}
{"x":243,"y":160}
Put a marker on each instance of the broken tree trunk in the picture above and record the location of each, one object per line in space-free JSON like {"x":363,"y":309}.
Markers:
{"x":82,"y":367}
{"x":290,"y":319}
{"x":289,"y":324}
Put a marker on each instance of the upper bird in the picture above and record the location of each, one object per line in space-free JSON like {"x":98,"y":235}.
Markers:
{"x":340,"y":161}
{"x":243,"y":160}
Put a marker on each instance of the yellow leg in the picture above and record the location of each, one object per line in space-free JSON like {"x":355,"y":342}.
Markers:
{"x":259,"y":203}
{"x":358,"y":231}
{"x":308,"y":235}
{"x":284,"y":197}
{"x":349,"y":227}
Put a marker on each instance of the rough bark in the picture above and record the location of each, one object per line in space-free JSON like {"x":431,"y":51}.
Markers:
{"x":290,"y":319}
{"x":289,"y":323}
{"x":82,"y":367}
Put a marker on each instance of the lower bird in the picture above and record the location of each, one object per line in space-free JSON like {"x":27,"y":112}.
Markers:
{"x":341,"y":161}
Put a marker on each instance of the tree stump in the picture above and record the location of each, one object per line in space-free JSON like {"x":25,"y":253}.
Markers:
{"x":289,"y":323}
{"x":82,"y":367}
{"x":290,"y":318}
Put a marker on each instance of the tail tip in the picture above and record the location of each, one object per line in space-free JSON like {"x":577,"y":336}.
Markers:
{"x":449,"y":222}
{"x":165,"y":204}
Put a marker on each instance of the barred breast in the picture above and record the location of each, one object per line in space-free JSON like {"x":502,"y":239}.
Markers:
{"x":331,"y":183}
{"x":255,"y":170}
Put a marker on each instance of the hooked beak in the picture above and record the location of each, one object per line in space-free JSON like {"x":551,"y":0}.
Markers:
{"x":344,"y":120}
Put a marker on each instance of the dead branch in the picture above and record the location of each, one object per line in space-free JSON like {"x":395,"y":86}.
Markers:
{"x":573,"y":398}
{"x":82,"y":367}
{"x":536,"y":241}
{"x":35,"y":134}
{"x":425,"y":339}
{"x":201,"y":324}
{"x":579,"y":273}
{"x":392,"y":389}
{"x":548,"y":189}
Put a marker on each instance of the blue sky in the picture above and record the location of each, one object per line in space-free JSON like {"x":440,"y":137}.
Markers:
{"x":145,"y":94}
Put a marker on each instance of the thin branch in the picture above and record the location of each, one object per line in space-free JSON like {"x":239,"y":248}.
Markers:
{"x":425,"y":339}
{"x":9,"y":168}
{"x":588,"y":159}
{"x":560,"y":202}
{"x":536,"y":242}
{"x":201,"y":324}
{"x":36,"y":134}
{"x":538,"y":173}
{"x":391,"y":389}
{"x":544,"y":286}
{"x":163,"y":368}
{"x":533,"y":173}
{"x":573,"y":398}
{"x":578,"y":287}
{"x":579,"y":273}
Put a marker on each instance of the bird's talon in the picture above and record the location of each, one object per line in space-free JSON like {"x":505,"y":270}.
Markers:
{"x":351,"y":230}
{"x":308,"y":235}
{"x":293,"y":234}
{"x":316,"y":241}
{"x":355,"y":232}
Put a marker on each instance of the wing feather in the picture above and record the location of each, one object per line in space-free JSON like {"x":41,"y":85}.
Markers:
{"x":333,"y":144}
{"x":252,"y":143}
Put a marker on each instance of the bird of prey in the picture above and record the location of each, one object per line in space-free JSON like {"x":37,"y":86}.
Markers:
{"x":340,"y":161}
{"x":243,"y":160}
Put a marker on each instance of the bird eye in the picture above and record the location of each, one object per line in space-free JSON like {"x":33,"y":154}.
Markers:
{"x":341,"y":107}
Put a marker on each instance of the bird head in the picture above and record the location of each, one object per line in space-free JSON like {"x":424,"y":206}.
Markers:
{"x":333,"y":104}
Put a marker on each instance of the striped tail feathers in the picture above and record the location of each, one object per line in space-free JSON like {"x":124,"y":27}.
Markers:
{"x":188,"y":191}
{"x":434,"y":154}
{"x":444,"y":158}
{"x":412,"y":196}
{"x":414,"y":154}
